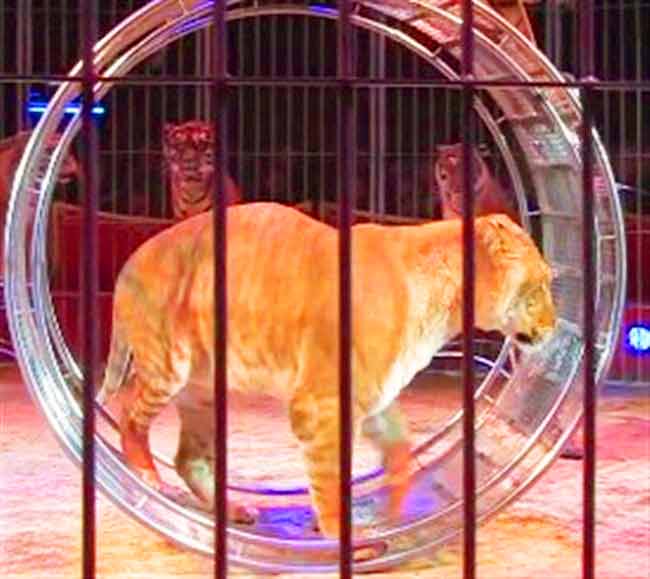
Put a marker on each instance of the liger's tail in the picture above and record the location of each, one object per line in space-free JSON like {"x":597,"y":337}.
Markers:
{"x":118,"y":367}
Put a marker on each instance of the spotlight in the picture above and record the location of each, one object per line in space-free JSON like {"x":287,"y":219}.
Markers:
{"x":638,"y":338}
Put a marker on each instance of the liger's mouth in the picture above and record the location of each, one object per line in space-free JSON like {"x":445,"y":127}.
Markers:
{"x":524,"y":339}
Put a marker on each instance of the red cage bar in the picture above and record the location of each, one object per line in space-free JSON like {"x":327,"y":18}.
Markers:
{"x":346,"y":168}
{"x":219,"y":98}
{"x":469,"y":454}
{"x":89,"y":286}
{"x":589,"y":314}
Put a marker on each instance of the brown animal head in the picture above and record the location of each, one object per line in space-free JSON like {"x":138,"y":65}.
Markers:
{"x":188,"y":151}
{"x":11,"y":151}
{"x":448,"y":172}
{"x":70,"y":169}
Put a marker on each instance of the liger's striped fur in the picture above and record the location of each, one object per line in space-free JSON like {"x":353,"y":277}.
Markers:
{"x":283,"y":329}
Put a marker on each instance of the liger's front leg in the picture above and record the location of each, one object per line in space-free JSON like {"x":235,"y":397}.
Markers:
{"x":315,"y":422}
{"x":389,"y":431}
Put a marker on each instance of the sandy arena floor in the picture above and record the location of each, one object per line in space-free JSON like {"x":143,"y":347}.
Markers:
{"x":538,"y":537}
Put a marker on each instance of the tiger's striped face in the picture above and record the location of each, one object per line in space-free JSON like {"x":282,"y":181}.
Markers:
{"x":188,"y":151}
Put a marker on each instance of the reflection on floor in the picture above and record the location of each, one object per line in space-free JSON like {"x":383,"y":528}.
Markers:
{"x":539,"y":536}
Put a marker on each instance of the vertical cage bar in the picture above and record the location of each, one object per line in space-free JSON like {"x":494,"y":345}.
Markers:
{"x":272,"y":158}
{"x":322,"y":121}
{"x":469,"y":454}
{"x":219,"y":216}
{"x":586,"y":22}
{"x":241,"y":103}
{"x":637,"y":371}
{"x":20,"y":61}
{"x":89,"y":285}
{"x":414,"y":165}
{"x":622,"y":65}
{"x":346,"y":163}
{"x":398,"y":153}
{"x":113,"y":131}
{"x":257,"y":71}
{"x":3,"y":68}
{"x":307,"y":194}
{"x":130,"y":154}
{"x":147,"y":148}
{"x":47,"y":15}
{"x":381,"y":146}
{"x":289,"y":153}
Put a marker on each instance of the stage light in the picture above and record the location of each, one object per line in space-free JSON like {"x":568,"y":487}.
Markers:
{"x":322,"y":8}
{"x":37,"y":105}
{"x":638,"y":338}
{"x":97,"y":110}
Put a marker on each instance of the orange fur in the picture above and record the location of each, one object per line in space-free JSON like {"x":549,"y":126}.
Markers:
{"x":284,"y":324}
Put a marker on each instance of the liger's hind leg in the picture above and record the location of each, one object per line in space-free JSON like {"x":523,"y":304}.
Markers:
{"x":143,"y":403}
{"x":195,"y":461}
{"x":195,"y":455}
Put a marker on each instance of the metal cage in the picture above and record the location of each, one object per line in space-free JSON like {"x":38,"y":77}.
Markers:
{"x":400,"y":73}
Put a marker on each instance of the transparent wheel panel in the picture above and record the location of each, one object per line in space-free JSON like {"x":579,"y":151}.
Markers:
{"x":526,"y":407}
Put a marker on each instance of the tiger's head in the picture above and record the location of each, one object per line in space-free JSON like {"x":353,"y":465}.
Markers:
{"x":513,"y":283}
{"x":188,"y":152}
{"x":70,"y":169}
{"x":11,"y":151}
{"x":448,"y":173}
{"x":490,"y":196}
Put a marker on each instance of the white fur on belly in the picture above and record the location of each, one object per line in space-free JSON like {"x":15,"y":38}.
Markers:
{"x":410,"y":362}
{"x":429,"y":333}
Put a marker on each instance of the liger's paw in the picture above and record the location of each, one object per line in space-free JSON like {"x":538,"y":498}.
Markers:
{"x":364,"y":548}
{"x":150,"y":477}
{"x":328,"y":526}
{"x":397,"y":459}
{"x":240,"y":514}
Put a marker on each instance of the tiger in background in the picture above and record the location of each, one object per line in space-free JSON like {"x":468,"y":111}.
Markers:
{"x":188,"y":154}
{"x":283,"y":328}
{"x":489,"y":195}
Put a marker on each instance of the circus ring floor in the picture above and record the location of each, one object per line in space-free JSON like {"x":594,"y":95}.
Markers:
{"x":538,"y":536}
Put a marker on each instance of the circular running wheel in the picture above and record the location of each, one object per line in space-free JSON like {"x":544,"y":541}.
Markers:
{"x":522,"y":421}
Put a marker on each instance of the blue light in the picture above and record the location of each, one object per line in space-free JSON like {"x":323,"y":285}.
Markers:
{"x":38,"y":103}
{"x":322,"y":9}
{"x":638,"y":338}
{"x":69,"y":109}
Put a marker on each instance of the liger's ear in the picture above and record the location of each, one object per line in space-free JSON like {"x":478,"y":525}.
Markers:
{"x":487,"y":234}
{"x":494,"y":233}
